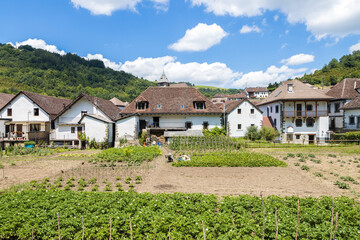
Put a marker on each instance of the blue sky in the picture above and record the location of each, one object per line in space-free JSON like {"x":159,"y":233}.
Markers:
{"x":225,"y":43}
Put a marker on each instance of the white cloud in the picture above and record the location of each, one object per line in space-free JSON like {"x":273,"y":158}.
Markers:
{"x":298,"y":59}
{"x":200,"y":38}
{"x":107,"y":62}
{"x":354,"y":47}
{"x":40,"y":44}
{"x":271,"y":75}
{"x":335,"y":18}
{"x":276,"y":17}
{"x":215,"y":74}
{"x":107,"y":7}
{"x":248,"y":29}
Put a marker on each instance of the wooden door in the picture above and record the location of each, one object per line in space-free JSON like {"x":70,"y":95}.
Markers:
{"x":19,"y":129}
{"x":299,"y":110}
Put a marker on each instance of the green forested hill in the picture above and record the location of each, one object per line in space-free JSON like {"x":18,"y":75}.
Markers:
{"x":48,"y":73}
{"x":347,"y":66}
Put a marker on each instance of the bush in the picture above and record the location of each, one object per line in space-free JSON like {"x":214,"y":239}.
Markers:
{"x":252,"y":133}
{"x":216,"y":131}
{"x":342,"y":185}
{"x":142,"y":138}
{"x":269,"y":133}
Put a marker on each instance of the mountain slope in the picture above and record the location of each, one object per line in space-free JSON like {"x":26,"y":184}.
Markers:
{"x":48,"y":73}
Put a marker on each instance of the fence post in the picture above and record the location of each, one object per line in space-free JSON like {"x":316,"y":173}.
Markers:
{"x":131,"y":231}
{"x":58,"y":215}
{"x":336,"y":222}
{"x":169,"y":232}
{"x":203,"y":230}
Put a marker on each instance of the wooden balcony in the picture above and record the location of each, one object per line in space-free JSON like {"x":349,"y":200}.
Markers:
{"x":315,"y":114}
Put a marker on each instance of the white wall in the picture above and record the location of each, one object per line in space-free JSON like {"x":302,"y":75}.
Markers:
{"x":245,"y":119}
{"x":71,"y":117}
{"x":338,"y":116}
{"x":275,"y":116}
{"x":127,"y":127}
{"x":96,"y":129}
{"x":23,"y":111}
{"x":354,"y":113}
{"x":2,"y":128}
{"x":178,"y":121}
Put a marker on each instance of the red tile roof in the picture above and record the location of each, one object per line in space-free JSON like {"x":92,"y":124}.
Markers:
{"x":266,"y":122}
{"x":5,"y":98}
{"x":346,"y":89}
{"x":171,"y":100}
{"x":256,"y":89}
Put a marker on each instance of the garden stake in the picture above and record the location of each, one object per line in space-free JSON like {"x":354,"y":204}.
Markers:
{"x":297,"y":223}
{"x":332,"y":218}
{"x":336,"y":222}
{"x":263,"y":208}
{"x":204,"y":230}
{"x":131,"y":233}
{"x":32,"y":234}
{"x":59,"y":225}
{"x":169,"y":232}
{"x":110,"y":228}
{"x":83,"y":228}
{"x":276,"y":223}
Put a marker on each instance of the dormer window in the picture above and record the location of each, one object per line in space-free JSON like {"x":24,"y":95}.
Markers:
{"x":142,"y":105}
{"x":290,"y":87}
{"x":199,"y":105}
{"x":36,"y":111}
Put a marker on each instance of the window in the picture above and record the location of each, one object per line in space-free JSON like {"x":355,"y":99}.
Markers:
{"x":83,"y":113}
{"x":142,"y":105}
{"x":205,"y":125}
{"x":337,"y":106}
{"x":277,"y":109}
{"x":310,"y":122}
{"x":271,"y":109}
{"x":9,"y":112}
{"x":36,"y":111}
{"x":35,"y":127}
{"x":298,"y":122}
{"x":275,"y":125}
{"x":252,"y":111}
{"x":329,"y":108}
{"x":298,"y":136}
{"x":159,"y":106}
{"x":72,"y":129}
{"x":309,"y":107}
{"x":199,"y":105}
{"x":239,"y":126}
{"x":351,"y":120}
{"x":289,"y":137}
{"x":239,"y":110}
{"x":188,"y":125}
{"x":79,"y":129}
{"x":52,"y":125}
{"x":252,"y":125}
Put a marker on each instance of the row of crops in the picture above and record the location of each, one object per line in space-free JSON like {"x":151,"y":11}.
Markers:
{"x":132,"y":155}
{"x":42,"y":213}
{"x":212,"y":143}
{"x":231,"y":159}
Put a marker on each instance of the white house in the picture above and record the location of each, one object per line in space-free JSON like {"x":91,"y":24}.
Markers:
{"x":168,"y":111}
{"x":28,"y":116}
{"x":240,"y":115}
{"x":298,"y":112}
{"x":86,"y":114}
{"x":257,"y":92}
{"x":342,"y":93}
{"x":351,"y":111}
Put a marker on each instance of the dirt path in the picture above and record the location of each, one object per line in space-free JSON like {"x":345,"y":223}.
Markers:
{"x":164,"y":178}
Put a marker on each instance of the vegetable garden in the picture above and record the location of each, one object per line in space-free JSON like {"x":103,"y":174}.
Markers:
{"x":47,"y":214}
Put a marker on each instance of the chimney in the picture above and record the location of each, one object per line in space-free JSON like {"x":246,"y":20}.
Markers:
{"x":354,"y":84}
{"x":290,"y":87}
{"x":64,"y":105}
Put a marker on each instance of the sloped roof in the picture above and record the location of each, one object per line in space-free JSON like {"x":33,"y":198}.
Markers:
{"x":346,"y":89}
{"x":5,"y":98}
{"x":237,"y":95}
{"x":353,"y":104}
{"x":231,"y":105}
{"x":300,"y":91}
{"x":179,"y":85}
{"x":170,"y":100}
{"x":118,"y":102}
{"x":51,"y":105}
{"x":267,"y":122}
{"x":163,"y":79}
{"x":95,"y":117}
{"x":256,"y":89}
{"x":107,"y":107}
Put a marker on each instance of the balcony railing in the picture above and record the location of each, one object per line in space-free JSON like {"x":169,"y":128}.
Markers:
{"x":319,"y":113}
{"x":15,"y":136}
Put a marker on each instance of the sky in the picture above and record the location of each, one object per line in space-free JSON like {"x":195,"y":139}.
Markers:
{"x":222,"y":43}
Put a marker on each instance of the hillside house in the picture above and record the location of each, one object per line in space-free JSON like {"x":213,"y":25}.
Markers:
{"x":4,"y":99}
{"x":221,"y":98}
{"x":351,"y":115}
{"x":342,"y":93}
{"x":120,"y":104}
{"x":257,"y":92}
{"x":240,"y":115}
{"x":168,"y":111}
{"x":299,"y":112}
{"x":27,"y":116}
{"x":86,"y":114}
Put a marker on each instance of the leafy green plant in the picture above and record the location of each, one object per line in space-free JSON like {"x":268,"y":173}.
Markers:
{"x":118,"y":178}
{"x":318,"y":174}
{"x":291,"y":155}
{"x":296,"y":164}
{"x":311,"y":155}
{"x":347,"y":179}
{"x":128,"y":180}
{"x":332,"y":155}
{"x":305,"y":168}
{"x":342,"y":185}
{"x":92,"y":180}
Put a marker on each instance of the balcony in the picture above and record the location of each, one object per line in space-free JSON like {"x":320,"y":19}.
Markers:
{"x":318,"y":113}
{"x":14,"y":136}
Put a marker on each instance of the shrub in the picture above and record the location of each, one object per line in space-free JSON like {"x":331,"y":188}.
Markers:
{"x":347,"y":179}
{"x":252,"y":133}
{"x":216,"y":131}
{"x":318,"y":174}
{"x":342,"y":185}
{"x":332,"y":155}
{"x":311,"y":155}
{"x":290,"y":155}
{"x":269,"y":133}
{"x":305,"y":168}
{"x":142,"y":138}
